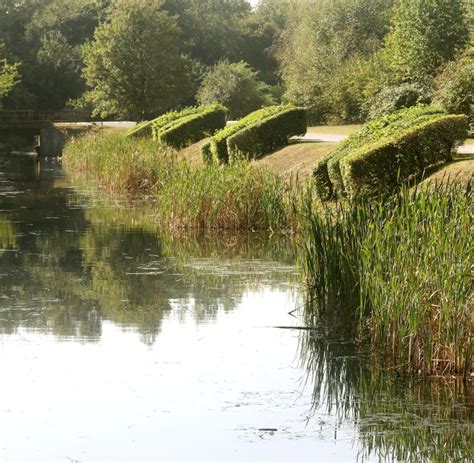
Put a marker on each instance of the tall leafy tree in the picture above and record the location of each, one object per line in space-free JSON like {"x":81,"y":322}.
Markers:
{"x":134,"y":66}
{"x":326,"y":54}
{"x":212,"y":30}
{"x":9,"y":77}
{"x":424,"y":35}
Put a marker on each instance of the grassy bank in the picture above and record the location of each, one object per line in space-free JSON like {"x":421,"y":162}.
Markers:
{"x":240,"y":196}
{"x":398,"y":272}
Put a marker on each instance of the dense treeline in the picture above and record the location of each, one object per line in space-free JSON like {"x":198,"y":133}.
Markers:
{"x":347,"y":60}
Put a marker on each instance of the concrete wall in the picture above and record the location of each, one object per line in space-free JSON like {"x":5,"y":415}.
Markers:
{"x":52,"y":142}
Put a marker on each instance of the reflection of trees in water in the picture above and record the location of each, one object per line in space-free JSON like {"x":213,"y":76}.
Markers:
{"x":398,"y":419}
{"x":68,"y":269}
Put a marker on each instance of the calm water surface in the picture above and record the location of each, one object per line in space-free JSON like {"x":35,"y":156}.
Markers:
{"x":118,"y":343}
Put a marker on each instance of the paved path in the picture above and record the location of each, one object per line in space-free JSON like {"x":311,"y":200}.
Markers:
{"x":329,"y":137}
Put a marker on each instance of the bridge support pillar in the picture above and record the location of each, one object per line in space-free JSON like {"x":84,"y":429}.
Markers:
{"x":52,"y":141}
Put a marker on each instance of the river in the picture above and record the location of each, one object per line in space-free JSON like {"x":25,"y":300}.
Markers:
{"x":122,"y":343}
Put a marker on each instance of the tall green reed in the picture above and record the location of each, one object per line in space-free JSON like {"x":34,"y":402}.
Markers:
{"x":240,"y":196}
{"x":120,"y":164}
{"x":398,"y":272}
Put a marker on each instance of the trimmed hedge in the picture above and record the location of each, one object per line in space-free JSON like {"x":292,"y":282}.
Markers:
{"x":382,"y":166}
{"x":327,"y":173}
{"x":217,"y":149}
{"x":267,"y":135}
{"x":149,"y":128}
{"x":192,"y":128}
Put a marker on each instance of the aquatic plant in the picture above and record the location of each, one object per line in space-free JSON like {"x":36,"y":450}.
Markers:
{"x":399,"y":272}
{"x":120,"y":164}
{"x":242,"y":196}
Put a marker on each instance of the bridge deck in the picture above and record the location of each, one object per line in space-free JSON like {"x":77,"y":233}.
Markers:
{"x":27,"y":119}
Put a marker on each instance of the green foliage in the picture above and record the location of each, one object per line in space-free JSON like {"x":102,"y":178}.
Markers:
{"x":134,"y":65}
{"x":239,"y":196}
{"x":194,"y":127}
{"x":387,"y":266}
{"x":326,"y":55}
{"x":217,"y":148}
{"x":234,"y":85}
{"x":455,"y":86}
{"x":267,"y":135}
{"x":394,"y":98}
{"x":424,"y":35}
{"x":152,"y":127}
{"x":213,"y":30}
{"x":9,"y":77}
{"x":45,"y":36}
{"x":327,"y":173}
{"x":120,"y":164}
{"x":384,"y":165}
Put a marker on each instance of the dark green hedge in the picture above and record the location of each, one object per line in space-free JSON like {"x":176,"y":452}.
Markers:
{"x":382,"y":166}
{"x":218,"y":143}
{"x":327,"y":173}
{"x":149,"y":128}
{"x":267,"y":135}
{"x":192,"y":128}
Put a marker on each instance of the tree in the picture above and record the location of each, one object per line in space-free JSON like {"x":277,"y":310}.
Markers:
{"x":424,"y":35}
{"x":45,"y":36}
{"x":455,"y":85}
{"x":235,"y":85}
{"x":9,"y":75}
{"x":326,"y":54}
{"x":134,"y":66}
{"x":212,"y":30}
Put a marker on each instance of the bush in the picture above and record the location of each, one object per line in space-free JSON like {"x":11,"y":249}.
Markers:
{"x":217,"y":150}
{"x":382,"y":166}
{"x":235,"y":85}
{"x":394,"y":98}
{"x":267,"y":135}
{"x":328,"y":179}
{"x":194,"y":127}
{"x":455,"y":87}
{"x":148,"y":128}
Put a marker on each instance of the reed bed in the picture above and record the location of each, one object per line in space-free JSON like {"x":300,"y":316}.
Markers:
{"x":120,"y":164}
{"x":240,"y":196}
{"x":399,"y":273}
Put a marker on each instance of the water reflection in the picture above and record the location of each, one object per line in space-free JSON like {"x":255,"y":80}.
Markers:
{"x":69,"y":263}
{"x":398,"y":419}
{"x":98,"y":272}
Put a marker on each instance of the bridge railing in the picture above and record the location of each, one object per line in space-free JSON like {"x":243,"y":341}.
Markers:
{"x":30,"y":116}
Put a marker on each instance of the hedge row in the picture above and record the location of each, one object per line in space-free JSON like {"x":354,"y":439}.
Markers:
{"x":147,"y":128}
{"x":267,"y":135}
{"x":328,"y":177}
{"x":268,"y":132}
{"x":192,"y":128}
{"x":216,"y":149}
{"x":382,"y":166}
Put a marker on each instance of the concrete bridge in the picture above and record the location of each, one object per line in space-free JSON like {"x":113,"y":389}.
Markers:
{"x":42,"y":125}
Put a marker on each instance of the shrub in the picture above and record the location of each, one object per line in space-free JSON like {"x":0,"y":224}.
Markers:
{"x":385,"y":164}
{"x":328,"y":179}
{"x":148,"y":128}
{"x":455,"y":86}
{"x":218,"y":143}
{"x":267,"y":135}
{"x":394,"y":98}
{"x":194,"y":127}
{"x":236,"y":86}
